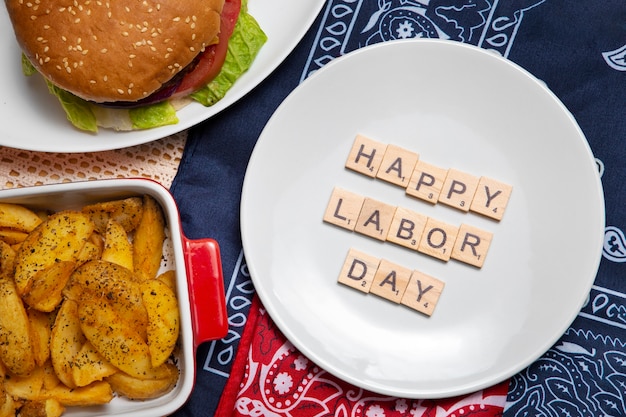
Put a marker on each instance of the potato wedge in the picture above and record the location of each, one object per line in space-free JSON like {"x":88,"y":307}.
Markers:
{"x":27,"y":387}
{"x":18,"y":217}
{"x":40,"y":330}
{"x":117,"y":284}
{"x":66,"y":340}
{"x":45,"y":292}
{"x":44,"y":408}
{"x":163,"y":319}
{"x":15,"y":345}
{"x":117,"y":247}
{"x":148,"y":240}
{"x":127,"y":212}
{"x":12,"y":236}
{"x":90,"y":366}
{"x":143,"y":389}
{"x":60,"y":238}
{"x":168,"y":278}
{"x":93,"y":394}
{"x":9,"y":406}
{"x":91,"y":250}
{"x":7,"y":259}
{"x":118,"y":343}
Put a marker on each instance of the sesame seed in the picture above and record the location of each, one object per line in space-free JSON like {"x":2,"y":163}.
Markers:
{"x":119,"y":90}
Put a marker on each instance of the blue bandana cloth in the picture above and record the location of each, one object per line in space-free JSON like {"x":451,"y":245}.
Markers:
{"x":577,"y":48}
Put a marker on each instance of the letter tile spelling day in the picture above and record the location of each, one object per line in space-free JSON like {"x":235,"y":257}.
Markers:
{"x":390,"y":281}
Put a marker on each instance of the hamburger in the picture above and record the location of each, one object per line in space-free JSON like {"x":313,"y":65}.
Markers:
{"x":131,"y":64}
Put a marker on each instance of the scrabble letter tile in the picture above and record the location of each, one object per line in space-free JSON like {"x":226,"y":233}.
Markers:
{"x":406,"y":228}
{"x":426,"y":182}
{"x":390,"y":281}
{"x":358,"y":270}
{"x":472,"y":245}
{"x":375,"y":219}
{"x":422,"y":293}
{"x":366,"y":156}
{"x":458,"y":190}
{"x":491,"y":198}
{"x":397,"y":165}
{"x":438,"y":239}
{"x":343,"y":208}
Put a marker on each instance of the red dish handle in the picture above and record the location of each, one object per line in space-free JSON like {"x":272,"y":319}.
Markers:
{"x":206,"y":289}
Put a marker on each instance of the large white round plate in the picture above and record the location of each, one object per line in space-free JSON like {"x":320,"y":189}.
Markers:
{"x":458,"y":107}
{"x":32,"y":119}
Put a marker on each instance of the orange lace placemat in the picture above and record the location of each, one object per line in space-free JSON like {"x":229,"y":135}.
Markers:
{"x":157,"y":160}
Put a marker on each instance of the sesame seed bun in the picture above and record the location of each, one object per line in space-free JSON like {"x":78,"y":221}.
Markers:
{"x":107,"y":50}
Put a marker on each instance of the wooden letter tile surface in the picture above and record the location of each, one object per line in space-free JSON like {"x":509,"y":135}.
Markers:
{"x":426,"y":182}
{"x":406,"y":228}
{"x":397,"y":165}
{"x":422,"y":293}
{"x":390,"y":281}
{"x":375,"y":219}
{"x":458,"y":190}
{"x":358,"y":270}
{"x":366,"y":156}
{"x":343,"y":208}
{"x":438,"y":239}
{"x":472,"y":245}
{"x":491,"y":198}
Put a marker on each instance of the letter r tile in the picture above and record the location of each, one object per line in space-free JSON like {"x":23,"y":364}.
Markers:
{"x":366,"y":156}
{"x":397,"y":165}
{"x":422,"y":293}
{"x":390,"y":281}
{"x":343,"y":208}
{"x":472,"y":245}
{"x":358,"y":270}
{"x":491,"y":198}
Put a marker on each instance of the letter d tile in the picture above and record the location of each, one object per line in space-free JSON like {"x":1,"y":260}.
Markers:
{"x":358,"y":270}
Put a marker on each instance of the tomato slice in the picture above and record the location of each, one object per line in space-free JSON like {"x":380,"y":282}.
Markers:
{"x":211,"y":60}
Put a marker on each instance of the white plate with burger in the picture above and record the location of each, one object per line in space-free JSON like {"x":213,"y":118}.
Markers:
{"x":33,"y":119}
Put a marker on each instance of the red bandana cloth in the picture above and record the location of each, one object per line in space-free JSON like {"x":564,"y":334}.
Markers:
{"x":270,"y":377}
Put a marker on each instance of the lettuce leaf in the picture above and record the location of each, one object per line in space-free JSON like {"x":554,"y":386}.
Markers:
{"x":77,"y":110}
{"x":159,"y":114}
{"x":243,"y":47}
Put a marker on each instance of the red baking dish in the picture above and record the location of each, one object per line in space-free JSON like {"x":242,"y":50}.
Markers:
{"x":199,"y":276}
